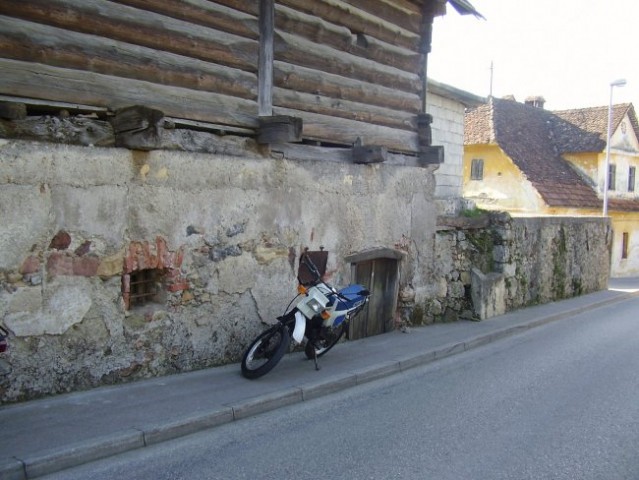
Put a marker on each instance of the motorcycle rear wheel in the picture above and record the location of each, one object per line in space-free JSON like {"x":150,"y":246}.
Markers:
{"x":265,"y":352}
{"x":328,"y":340}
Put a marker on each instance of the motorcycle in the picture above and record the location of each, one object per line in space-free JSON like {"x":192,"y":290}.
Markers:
{"x":322,"y":316}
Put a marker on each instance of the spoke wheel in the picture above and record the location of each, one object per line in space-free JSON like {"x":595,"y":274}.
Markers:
{"x":265,"y":352}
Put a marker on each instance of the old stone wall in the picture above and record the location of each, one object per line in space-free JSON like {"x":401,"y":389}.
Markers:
{"x":216,"y":238}
{"x":491,"y":264}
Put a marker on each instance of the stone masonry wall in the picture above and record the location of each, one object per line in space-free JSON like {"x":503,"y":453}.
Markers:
{"x":493,"y":264}
{"x":216,"y":237}
{"x":219,"y":236}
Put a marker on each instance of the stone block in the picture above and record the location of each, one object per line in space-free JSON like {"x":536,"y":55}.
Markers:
{"x":488,"y":293}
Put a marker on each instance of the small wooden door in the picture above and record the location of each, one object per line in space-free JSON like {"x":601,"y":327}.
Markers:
{"x":380,"y":276}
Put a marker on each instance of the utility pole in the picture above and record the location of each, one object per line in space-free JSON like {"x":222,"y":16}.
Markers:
{"x":492,"y":69}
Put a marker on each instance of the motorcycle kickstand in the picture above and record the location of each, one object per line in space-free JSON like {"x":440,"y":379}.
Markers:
{"x":317,"y":367}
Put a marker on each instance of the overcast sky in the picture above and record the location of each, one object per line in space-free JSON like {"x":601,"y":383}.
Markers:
{"x":567,"y":51}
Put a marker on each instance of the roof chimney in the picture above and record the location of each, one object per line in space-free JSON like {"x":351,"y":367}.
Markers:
{"x":535,"y":101}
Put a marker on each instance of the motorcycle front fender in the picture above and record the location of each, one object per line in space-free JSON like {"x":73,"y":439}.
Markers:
{"x":300,"y":327}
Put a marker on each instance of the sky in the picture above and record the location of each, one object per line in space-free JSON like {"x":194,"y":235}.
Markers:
{"x":567,"y":51}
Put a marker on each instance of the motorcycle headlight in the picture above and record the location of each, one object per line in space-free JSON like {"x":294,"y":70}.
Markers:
{"x":315,"y":305}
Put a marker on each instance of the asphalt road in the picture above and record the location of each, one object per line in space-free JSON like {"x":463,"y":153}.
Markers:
{"x":557,"y":402}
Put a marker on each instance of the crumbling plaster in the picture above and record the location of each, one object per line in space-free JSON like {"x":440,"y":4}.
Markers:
{"x":231,"y":228}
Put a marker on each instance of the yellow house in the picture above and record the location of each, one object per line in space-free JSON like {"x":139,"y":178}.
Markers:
{"x":523,"y":159}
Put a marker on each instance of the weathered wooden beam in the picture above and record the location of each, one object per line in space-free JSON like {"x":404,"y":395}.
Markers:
{"x":344,"y":109}
{"x":241,"y":5}
{"x":127,"y":24}
{"x":433,"y":155}
{"x":299,"y":51}
{"x":367,"y":154}
{"x":66,"y":85}
{"x":265,"y":68}
{"x":57,"y":47}
{"x":202,"y":12}
{"x":307,"y":80}
{"x":297,"y":151}
{"x":280,"y":129}
{"x":138,"y":128}
{"x":406,"y":14}
{"x":53,"y":129}
{"x":340,"y":131}
{"x":428,"y":154}
{"x":341,"y":13}
{"x":424,"y":130}
{"x":13,"y":110}
{"x":341,"y":38}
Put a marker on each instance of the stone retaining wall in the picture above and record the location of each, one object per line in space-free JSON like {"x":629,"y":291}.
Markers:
{"x":493,"y":264}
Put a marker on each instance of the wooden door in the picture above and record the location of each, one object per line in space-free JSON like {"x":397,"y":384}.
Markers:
{"x":380,"y":276}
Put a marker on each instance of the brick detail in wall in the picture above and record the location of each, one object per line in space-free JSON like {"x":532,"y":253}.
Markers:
{"x":137,"y":256}
{"x":155,"y":256}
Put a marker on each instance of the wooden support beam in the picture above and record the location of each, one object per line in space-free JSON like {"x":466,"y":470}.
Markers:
{"x":265,"y":68}
{"x":367,"y":154}
{"x":13,"y":111}
{"x":427,"y":154}
{"x":433,"y":155}
{"x":424,"y":131}
{"x":279,"y":129}
{"x":138,"y":128}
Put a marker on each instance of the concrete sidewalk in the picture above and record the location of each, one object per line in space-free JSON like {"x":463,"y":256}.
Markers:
{"x":44,"y":436}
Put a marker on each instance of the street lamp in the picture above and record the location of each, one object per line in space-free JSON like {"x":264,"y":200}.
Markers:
{"x":617,"y":83}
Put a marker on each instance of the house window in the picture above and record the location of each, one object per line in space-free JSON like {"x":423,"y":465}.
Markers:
{"x":477,"y":169}
{"x":612,"y":174}
{"x":624,"y":245}
{"x":631,"y":179}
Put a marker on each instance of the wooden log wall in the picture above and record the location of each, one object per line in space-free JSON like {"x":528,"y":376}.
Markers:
{"x":348,"y":68}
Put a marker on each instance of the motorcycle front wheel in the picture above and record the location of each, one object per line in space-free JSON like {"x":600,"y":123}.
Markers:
{"x":265,"y":352}
{"x":328,"y":339}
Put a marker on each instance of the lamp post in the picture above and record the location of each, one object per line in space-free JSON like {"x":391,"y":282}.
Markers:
{"x":617,"y":83}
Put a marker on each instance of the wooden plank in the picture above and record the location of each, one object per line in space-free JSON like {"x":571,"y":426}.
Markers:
{"x":50,"y":104}
{"x":241,"y":5}
{"x":346,"y":132}
{"x":407,"y":17}
{"x":296,"y":151}
{"x":61,"y":84}
{"x":265,"y":69}
{"x":58,"y":47}
{"x":356,"y":20}
{"x":344,"y":109}
{"x":307,"y":80}
{"x":202,"y":12}
{"x":127,"y":24}
{"x":341,"y":38}
{"x":299,"y":51}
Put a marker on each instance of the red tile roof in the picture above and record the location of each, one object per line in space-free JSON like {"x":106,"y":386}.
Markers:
{"x":534,"y":140}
